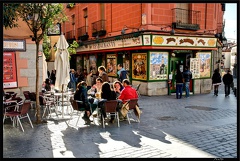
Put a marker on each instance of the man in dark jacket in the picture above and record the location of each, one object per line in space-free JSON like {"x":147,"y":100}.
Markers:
{"x":187,"y":75}
{"x":122,"y":73}
{"x":227,"y":80}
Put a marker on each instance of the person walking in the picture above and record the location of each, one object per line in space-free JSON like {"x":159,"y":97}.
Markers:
{"x":179,"y":84}
{"x":227,"y":80}
{"x":122,"y":73}
{"x":216,"y":81}
{"x":103,"y":74}
{"x":187,"y":75}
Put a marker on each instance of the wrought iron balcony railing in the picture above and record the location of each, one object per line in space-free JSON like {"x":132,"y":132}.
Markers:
{"x":99,"y":28}
{"x":82,"y":33}
{"x":186,"y":19}
{"x":70,"y":36}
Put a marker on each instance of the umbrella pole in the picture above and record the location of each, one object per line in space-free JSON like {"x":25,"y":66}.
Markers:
{"x":62,"y":101}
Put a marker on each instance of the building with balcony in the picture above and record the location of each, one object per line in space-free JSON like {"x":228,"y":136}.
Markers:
{"x":151,"y":40}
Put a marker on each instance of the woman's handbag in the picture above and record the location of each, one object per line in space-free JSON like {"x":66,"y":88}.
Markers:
{"x":125,"y":108}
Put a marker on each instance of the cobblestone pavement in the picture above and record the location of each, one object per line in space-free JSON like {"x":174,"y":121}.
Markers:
{"x":202,"y":126}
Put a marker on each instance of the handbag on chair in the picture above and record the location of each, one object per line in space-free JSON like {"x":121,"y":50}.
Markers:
{"x":125,"y":108}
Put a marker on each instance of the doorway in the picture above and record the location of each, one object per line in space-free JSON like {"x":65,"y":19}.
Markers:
{"x":176,"y":62}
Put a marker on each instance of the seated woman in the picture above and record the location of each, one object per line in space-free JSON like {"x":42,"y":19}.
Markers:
{"x":81,"y":95}
{"x":107,"y":94}
{"x":47,"y":84}
{"x":117,"y":87}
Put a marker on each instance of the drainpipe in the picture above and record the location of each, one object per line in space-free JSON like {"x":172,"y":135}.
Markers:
{"x":141,"y":14}
{"x":111,"y":17}
{"x":205,"y":15}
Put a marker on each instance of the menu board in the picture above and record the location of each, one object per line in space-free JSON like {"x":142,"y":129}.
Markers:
{"x":9,"y":70}
{"x":195,"y":67}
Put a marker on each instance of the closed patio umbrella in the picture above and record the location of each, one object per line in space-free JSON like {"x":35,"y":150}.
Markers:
{"x":44,"y":68}
{"x":61,"y":65}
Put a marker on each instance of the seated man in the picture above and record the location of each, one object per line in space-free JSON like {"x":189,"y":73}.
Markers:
{"x":96,"y":87}
{"x":127,"y":93}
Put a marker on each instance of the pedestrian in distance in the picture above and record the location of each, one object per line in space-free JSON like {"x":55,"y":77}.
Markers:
{"x":122,"y":73}
{"x":187,"y":75}
{"x":48,"y":73}
{"x":216,"y":81}
{"x":179,"y":84}
{"x":227,"y":80}
{"x":53,"y":77}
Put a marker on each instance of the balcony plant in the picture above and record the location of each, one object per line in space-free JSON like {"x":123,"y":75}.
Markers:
{"x":70,"y":5}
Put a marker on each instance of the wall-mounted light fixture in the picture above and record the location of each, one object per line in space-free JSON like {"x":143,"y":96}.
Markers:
{"x":166,"y":28}
{"x":97,"y":39}
{"x":172,"y":32}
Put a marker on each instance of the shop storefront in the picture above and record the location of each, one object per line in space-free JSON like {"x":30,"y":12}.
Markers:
{"x":152,"y":60}
{"x":10,"y":47}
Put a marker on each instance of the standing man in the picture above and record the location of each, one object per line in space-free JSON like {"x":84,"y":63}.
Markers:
{"x":187,"y":75}
{"x":227,"y":80}
{"x":102,"y":74}
{"x":72,"y":79}
{"x":122,"y":73}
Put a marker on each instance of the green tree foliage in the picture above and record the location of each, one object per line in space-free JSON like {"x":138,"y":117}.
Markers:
{"x":46,"y":46}
{"x":38,"y":17}
{"x":11,"y":17}
{"x":72,"y":47}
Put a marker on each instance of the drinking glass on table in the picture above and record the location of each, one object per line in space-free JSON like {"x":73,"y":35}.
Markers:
{"x":98,"y":95}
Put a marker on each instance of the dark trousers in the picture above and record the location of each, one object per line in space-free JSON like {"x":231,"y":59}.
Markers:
{"x":179,"y":88}
{"x":227,"y":89}
{"x":216,"y":89}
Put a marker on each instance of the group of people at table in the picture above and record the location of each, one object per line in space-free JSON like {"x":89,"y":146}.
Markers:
{"x":94,"y":96}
